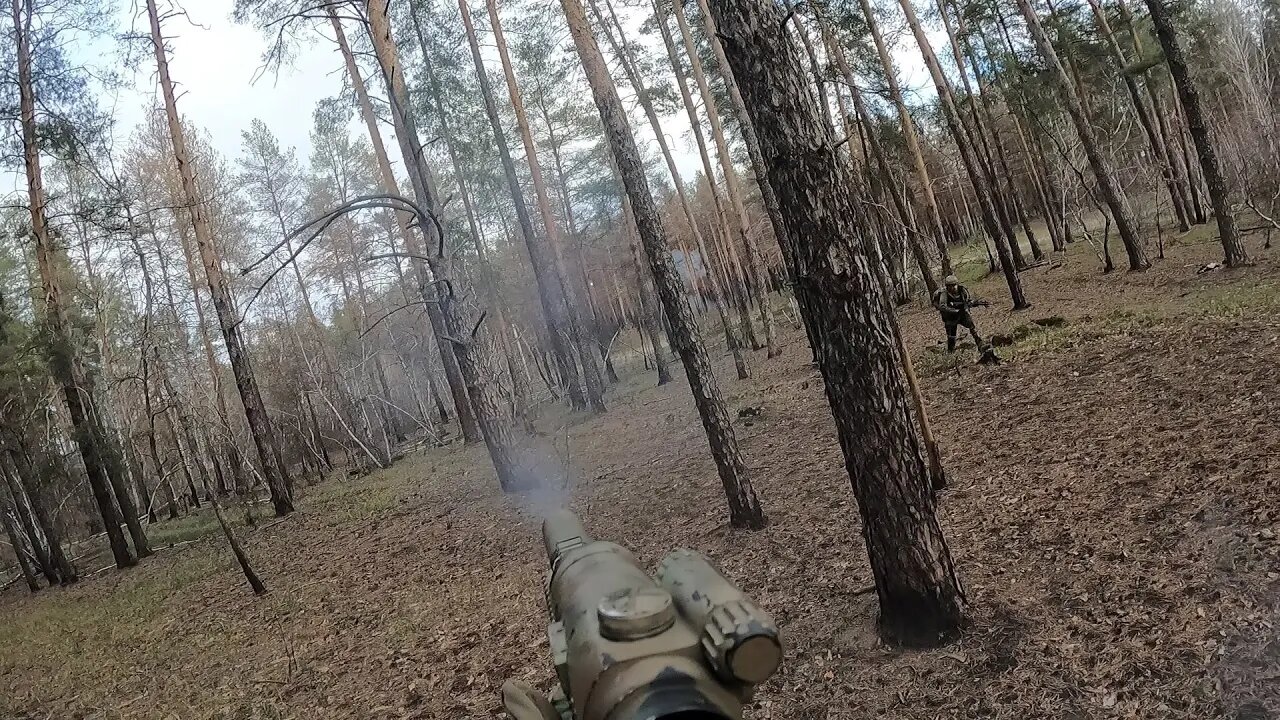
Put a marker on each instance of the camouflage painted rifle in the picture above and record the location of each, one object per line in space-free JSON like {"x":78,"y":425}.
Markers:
{"x":626,"y":646}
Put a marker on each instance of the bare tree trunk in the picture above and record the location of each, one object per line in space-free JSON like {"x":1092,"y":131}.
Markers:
{"x":744,"y":507}
{"x":1233,"y":249}
{"x":908,"y":127}
{"x":474,"y":358}
{"x":921,"y":601}
{"x":578,"y":339}
{"x":555,"y":306}
{"x":16,"y":540}
{"x":767,"y":196}
{"x":260,"y":427}
{"x":242,"y":558}
{"x":65,"y":364}
{"x":756,"y":282}
{"x":877,"y":151}
{"x":718,"y":283}
{"x":1156,"y":143}
{"x":26,"y":522}
{"x":981,"y":145}
{"x":1108,"y":186}
{"x":19,"y":464}
{"x":981,"y":190}
{"x":448,"y":359}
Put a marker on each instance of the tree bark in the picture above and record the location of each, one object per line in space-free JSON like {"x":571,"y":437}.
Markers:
{"x":19,"y":463}
{"x":756,"y":282}
{"x":1108,"y":185}
{"x":16,"y":540}
{"x":912,"y":138}
{"x":578,"y":339}
{"x":744,"y":507}
{"x":981,"y":190}
{"x":1154,"y":141}
{"x":448,"y":357}
{"x":434,"y":284}
{"x":65,"y":364}
{"x":893,"y":189}
{"x":719,"y":284}
{"x":255,"y":411}
{"x":767,"y":196}
{"x":1233,"y":249}
{"x":921,"y":601}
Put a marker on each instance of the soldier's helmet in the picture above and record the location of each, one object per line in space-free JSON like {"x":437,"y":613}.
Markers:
{"x":951,"y":281}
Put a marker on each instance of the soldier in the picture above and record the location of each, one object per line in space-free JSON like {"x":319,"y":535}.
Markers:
{"x":953,"y":303}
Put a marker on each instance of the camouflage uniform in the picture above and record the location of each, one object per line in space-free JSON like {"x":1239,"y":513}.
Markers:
{"x":953,"y":303}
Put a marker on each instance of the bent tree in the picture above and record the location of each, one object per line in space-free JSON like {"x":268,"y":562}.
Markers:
{"x":744,"y":506}
{"x":921,"y":600}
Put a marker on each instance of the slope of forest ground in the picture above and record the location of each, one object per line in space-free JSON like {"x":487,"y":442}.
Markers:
{"x":1112,"y":513}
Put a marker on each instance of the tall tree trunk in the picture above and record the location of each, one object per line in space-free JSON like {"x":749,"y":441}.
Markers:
{"x":65,"y":365}
{"x":1156,"y":143}
{"x":26,"y":522}
{"x":982,"y":146}
{"x":744,"y":507}
{"x":891,"y":180}
{"x":578,"y":338}
{"x":1233,"y":249}
{"x":908,"y":127}
{"x":921,"y":601}
{"x":718,"y":283}
{"x":767,"y":196}
{"x":255,"y":411}
{"x":474,"y":361}
{"x":1178,"y":164}
{"x":555,"y":306}
{"x":19,"y":463}
{"x":981,"y":190}
{"x":1108,"y":185}
{"x":1015,"y":202}
{"x":448,"y":357}
{"x":17,"y":540}
{"x":757,"y":283}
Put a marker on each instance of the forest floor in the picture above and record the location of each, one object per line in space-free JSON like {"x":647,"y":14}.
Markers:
{"x":1112,"y":512}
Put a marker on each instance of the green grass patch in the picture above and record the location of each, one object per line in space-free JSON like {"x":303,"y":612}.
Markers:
{"x":196,"y":526}
{"x":340,"y":501}
{"x":1236,"y":300}
{"x":1043,"y":335}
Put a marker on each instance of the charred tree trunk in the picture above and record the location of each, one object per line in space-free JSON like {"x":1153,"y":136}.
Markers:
{"x":744,"y":507}
{"x":921,"y":601}
{"x":1219,"y":195}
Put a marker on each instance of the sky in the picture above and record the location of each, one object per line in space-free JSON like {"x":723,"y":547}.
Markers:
{"x":216,"y":64}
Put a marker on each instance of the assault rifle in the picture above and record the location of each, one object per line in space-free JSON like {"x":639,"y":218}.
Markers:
{"x":685,"y":644}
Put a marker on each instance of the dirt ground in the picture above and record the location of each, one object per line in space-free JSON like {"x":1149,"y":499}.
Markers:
{"x":1112,"y":512}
